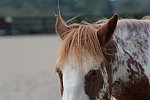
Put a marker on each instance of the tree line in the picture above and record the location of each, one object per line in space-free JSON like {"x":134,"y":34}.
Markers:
{"x":72,"y":7}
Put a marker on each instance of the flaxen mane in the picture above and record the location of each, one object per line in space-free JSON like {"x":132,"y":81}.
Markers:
{"x":81,"y":41}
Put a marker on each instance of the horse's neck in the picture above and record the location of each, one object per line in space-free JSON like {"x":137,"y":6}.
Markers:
{"x":132,"y":46}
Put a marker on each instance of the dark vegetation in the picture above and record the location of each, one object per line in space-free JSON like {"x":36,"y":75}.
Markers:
{"x":72,"y":7}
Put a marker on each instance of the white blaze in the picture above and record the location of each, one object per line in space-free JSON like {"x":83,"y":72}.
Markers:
{"x":73,"y":85}
{"x":74,"y":78}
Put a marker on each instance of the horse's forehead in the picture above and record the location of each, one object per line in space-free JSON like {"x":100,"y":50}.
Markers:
{"x":93,"y":25}
{"x":86,"y":65}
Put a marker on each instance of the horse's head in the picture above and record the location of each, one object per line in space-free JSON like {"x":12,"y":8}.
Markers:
{"x":82,"y":65}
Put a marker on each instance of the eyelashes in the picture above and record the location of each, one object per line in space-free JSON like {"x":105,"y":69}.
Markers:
{"x":94,"y":72}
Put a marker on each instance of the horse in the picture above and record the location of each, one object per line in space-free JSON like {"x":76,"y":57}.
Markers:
{"x":99,"y":60}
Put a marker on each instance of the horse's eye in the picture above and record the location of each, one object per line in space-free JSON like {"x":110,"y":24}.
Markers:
{"x":95,"y":72}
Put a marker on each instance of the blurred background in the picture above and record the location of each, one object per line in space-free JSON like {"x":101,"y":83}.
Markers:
{"x":28,"y":44}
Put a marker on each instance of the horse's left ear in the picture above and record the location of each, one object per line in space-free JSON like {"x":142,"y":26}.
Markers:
{"x":61,"y":27}
{"x":106,"y":31}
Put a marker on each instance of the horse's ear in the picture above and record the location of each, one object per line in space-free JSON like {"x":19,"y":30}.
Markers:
{"x":61,"y":27}
{"x":106,"y":31}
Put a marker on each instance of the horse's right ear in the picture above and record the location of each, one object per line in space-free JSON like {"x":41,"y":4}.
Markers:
{"x":61,"y":27}
{"x":106,"y":31}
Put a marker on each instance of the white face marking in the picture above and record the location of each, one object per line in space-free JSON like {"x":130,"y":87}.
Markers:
{"x":74,"y":78}
{"x":73,"y":84}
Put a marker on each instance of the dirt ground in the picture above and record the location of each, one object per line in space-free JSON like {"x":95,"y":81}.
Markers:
{"x":27,"y":68}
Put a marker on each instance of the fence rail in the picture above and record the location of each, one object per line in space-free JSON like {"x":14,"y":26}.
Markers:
{"x":44,"y":25}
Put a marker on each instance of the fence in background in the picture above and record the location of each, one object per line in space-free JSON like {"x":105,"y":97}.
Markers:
{"x":44,"y":25}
